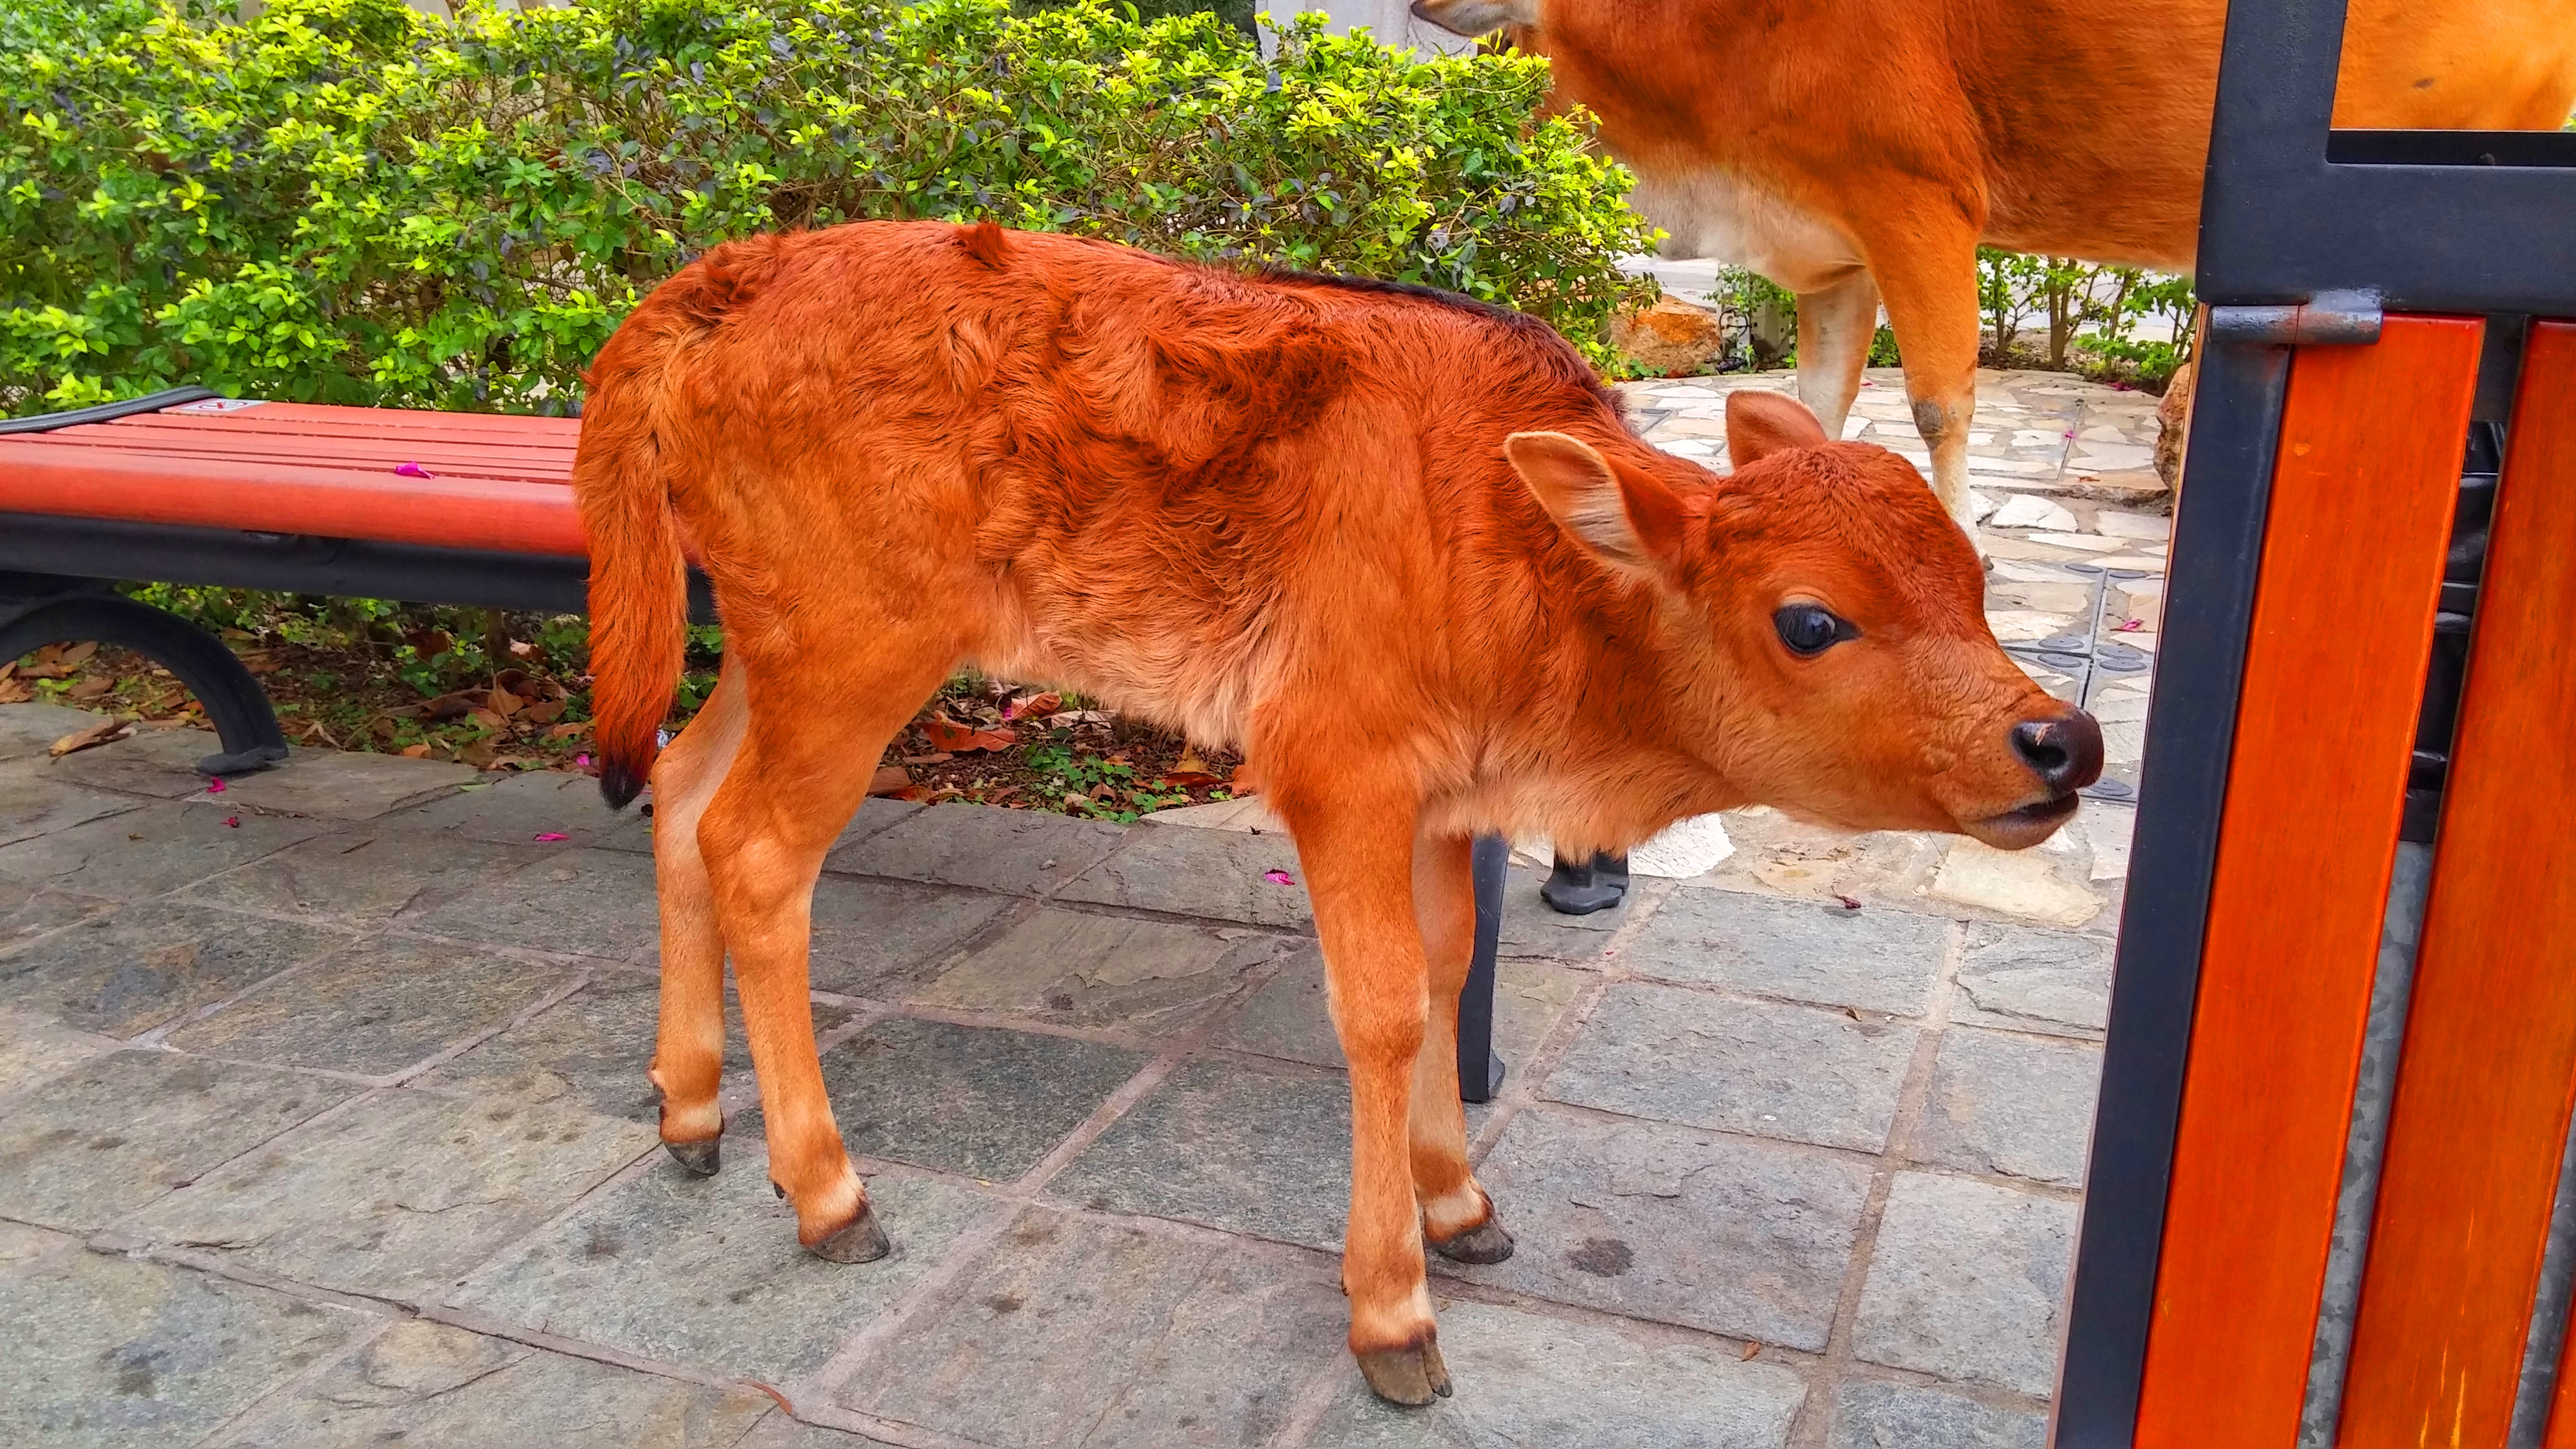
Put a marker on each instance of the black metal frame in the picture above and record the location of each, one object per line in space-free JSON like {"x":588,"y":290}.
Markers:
{"x":2292,"y":211}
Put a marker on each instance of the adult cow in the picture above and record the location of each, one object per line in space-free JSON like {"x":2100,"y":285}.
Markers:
{"x":1397,"y":544}
{"x":1860,"y":150}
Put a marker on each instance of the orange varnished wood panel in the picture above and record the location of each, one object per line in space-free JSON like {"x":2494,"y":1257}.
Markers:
{"x":2369,"y":463}
{"x":371,"y":503}
{"x":2489,"y":1061}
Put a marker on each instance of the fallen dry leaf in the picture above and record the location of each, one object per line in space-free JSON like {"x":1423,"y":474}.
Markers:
{"x":15,"y":691}
{"x":414,"y":752}
{"x":1044,"y":704}
{"x":452,"y":706}
{"x":784,"y":1407}
{"x":504,"y":703}
{"x":90,"y":688}
{"x":948,"y":734}
{"x":103,"y":732}
{"x":567,"y":731}
{"x":888,"y":779}
{"x":1750,"y":1350}
{"x":488,"y":720}
{"x":935,"y":757}
{"x":1189,"y":769}
{"x":544,"y":712}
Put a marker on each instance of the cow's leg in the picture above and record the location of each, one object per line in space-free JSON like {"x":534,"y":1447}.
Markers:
{"x":1355,"y":835}
{"x":1835,"y":326}
{"x":1457,"y":1217}
{"x":688,"y":1052}
{"x":1930,"y":278}
{"x":818,"y":724}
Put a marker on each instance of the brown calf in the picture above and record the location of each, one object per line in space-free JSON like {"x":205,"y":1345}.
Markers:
{"x":1397,"y":545}
{"x":1859,"y":150}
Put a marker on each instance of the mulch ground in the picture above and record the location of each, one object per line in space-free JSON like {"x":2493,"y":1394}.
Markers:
{"x":982,"y":741}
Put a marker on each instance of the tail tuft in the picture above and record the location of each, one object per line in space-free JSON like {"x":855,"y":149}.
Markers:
{"x":619,"y":783}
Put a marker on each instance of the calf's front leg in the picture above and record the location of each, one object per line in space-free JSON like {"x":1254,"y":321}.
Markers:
{"x":1357,"y":846}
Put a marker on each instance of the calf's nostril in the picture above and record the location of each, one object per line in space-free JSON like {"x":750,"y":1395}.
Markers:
{"x":2065,"y":752}
{"x":2037,"y":745}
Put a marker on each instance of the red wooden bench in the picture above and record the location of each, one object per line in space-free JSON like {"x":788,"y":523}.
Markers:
{"x":186,"y":487}
{"x":432,"y":508}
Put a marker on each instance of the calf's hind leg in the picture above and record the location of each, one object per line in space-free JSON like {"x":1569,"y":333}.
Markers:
{"x":688,"y":1050}
{"x":1457,"y":1216}
{"x":819,"y":722}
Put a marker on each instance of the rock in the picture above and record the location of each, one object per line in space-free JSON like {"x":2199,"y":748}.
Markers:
{"x":2029,"y":510}
{"x":2012,"y":883}
{"x":1672,"y":337}
{"x":2173,"y":417}
{"x":1686,"y":848}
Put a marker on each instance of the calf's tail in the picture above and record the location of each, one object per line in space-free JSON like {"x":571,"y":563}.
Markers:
{"x":622,"y":476}
{"x":639,"y":580}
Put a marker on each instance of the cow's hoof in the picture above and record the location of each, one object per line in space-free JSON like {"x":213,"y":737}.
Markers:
{"x":1486,"y":1242}
{"x":700,"y":1158}
{"x":1411,"y":1376}
{"x":858,"y":1241}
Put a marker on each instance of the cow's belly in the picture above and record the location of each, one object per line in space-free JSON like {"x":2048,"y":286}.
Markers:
{"x":1708,"y":213}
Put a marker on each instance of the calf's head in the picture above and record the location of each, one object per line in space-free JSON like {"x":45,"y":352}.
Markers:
{"x":1824,"y":622}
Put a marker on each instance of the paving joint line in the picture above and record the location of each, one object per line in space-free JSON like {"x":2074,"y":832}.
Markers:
{"x":971,"y":1247}
{"x":1815,"y":1419}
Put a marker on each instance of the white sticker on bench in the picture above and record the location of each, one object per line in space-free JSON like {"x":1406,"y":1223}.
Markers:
{"x":218,"y":405}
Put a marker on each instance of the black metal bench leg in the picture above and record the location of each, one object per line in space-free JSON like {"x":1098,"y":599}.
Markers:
{"x":230,"y":694}
{"x":1480,"y":1070}
{"x":1580,"y":888}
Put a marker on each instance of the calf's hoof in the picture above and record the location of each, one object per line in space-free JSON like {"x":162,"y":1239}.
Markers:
{"x":1412,"y":1375}
{"x":700,"y":1158}
{"x":859,"y":1240}
{"x":1486,"y":1242}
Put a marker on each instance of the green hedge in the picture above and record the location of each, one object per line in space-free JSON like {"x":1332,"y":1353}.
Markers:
{"x":344,"y":201}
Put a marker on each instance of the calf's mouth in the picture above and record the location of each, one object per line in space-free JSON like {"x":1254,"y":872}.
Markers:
{"x":2025,"y":825}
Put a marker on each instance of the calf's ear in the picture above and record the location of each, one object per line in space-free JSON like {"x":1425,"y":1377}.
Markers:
{"x":1626,"y":516}
{"x":1762,"y":423}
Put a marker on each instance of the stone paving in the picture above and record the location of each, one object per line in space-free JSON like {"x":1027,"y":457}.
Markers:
{"x":323,"y":1117}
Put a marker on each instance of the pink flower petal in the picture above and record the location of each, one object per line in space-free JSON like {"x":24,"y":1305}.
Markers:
{"x":214,"y":787}
{"x":581,"y":762}
{"x":2131,"y":627}
{"x":412,"y":470}
{"x":1278,"y":877}
{"x":234,"y":821}
{"x":554,"y":835}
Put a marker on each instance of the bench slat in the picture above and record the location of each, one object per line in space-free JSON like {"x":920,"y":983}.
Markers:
{"x":328,"y":422}
{"x":452,"y":512}
{"x":363,"y":456}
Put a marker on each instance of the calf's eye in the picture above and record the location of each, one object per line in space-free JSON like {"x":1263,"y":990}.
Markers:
{"x":1810,"y":629}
